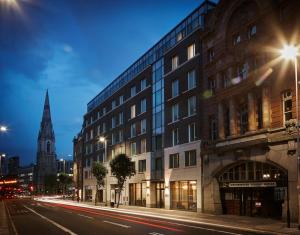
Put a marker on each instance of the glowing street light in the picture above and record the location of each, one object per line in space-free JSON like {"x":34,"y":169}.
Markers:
{"x":3,"y":128}
{"x":290,"y":52}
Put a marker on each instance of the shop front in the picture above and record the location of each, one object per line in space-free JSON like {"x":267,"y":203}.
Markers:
{"x":137,"y":194}
{"x":253,"y":189}
{"x":184,"y":195}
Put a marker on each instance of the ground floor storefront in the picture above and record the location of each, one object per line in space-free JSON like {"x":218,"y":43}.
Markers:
{"x":184,"y":195}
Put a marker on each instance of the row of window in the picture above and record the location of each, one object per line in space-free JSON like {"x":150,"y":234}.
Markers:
{"x":191,"y":78}
{"x":191,"y":52}
{"x":191,"y":109}
{"x":114,"y":104}
{"x":190,"y":159}
{"x":191,"y":134}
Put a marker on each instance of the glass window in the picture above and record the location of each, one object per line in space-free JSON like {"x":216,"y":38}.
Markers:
{"x":143,"y":126}
{"x":142,"y":166}
{"x":121,"y":99}
{"x":143,"y":105}
{"x":113,"y":122}
{"x":212,"y":85}
{"x":287,"y":105}
{"x":132,"y":111}
{"x":192,"y":106}
{"x":132,"y":130}
{"x":132,"y":91}
{"x":190,"y":158}
{"x":104,"y":110}
{"x":213,"y":128}
{"x":174,"y":160}
{"x":175,"y":62}
{"x":175,"y":112}
{"x":236,"y":39}
{"x":175,"y":88}
{"x":243,"y":112}
{"x":120,"y":135}
{"x":143,"y":146}
{"x":113,"y":104}
{"x":143,"y":84}
{"x":191,"y":51}
{"x":210,"y":54}
{"x":121,"y":118}
{"x":191,"y":79}
{"x":103,"y":127}
{"x":175,"y":139}
{"x":251,"y":31}
{"x":192,"y":132}
{"x":132,"y":148}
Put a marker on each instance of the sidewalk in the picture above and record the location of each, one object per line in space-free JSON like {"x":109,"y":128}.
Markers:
{"x":264,"y":225}
{"x":4,"y":228}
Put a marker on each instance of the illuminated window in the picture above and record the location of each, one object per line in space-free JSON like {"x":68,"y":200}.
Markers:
{"x":191,"y":51}
{"x":174,"y":161}
{"x":175,"y":62}
{"x":132,"y":111}
{"x":287,"y":104}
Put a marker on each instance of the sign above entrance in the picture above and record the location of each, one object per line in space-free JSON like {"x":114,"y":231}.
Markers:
{"x":251,"y":185}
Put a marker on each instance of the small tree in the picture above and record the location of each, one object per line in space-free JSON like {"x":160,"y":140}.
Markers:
{"x":50,"y":184}
{"x":99,"y":171}
{"x":64,"y":181}
{"x":121,"y":168}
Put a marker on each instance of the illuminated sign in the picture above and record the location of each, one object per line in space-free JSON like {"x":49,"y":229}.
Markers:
{"x":252,"y":185}
{"x":8,"y":182}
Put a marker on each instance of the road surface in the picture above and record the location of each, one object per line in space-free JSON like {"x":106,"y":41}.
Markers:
{"x":30,"y":217}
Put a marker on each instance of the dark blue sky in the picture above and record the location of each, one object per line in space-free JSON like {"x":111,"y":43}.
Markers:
{"x":74,"y":48}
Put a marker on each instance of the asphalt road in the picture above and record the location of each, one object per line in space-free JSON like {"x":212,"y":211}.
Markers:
{"x":40,"y":218}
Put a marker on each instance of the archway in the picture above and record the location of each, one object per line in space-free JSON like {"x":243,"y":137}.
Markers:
{"x":253,"y":188}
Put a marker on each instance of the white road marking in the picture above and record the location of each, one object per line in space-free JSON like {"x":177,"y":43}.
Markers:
{"x":10,"y":219}
{"x":85,"y":216}
{"x":117,"y":224}
{"x":51,"y":221}
{"x":155,"y":215}
{"x":154,"y":233}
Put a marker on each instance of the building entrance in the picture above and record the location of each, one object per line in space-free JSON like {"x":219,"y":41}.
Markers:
{"x":253,"y":189}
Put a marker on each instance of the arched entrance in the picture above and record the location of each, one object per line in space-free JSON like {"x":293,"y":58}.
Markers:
{"x":253,"y":189}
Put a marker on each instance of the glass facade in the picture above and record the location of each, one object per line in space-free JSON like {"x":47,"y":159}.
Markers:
{"x":191,"y":23}
{"x":137,"y":194}
{"x":184,"y":195}
{"x":158,"y":104}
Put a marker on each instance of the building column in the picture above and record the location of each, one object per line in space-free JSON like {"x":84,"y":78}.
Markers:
{"x":251,"y":112}
{"x":221,"y":121}
{"x":232,"y":117}
{"x":266,"y":107}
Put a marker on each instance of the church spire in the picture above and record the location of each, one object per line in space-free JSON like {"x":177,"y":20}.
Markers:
{"x":46,"y":129}
{"x":46,"y":112}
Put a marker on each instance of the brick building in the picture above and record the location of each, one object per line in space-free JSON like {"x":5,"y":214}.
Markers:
{"x":206,"y":116}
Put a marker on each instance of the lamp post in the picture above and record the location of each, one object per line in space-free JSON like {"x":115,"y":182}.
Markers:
{"x":290,"y":52}
{"x":1,"y":156}
{"x":102,"y":139}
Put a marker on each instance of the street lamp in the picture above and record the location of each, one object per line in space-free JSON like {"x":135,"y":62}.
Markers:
{"x":3,"y":129}
{"x":290,"y":52}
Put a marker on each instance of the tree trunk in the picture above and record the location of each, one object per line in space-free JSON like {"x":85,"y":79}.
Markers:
{"x":96,"y":195}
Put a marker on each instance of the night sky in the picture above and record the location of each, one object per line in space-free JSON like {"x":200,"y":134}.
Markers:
{"x":74,"y":48}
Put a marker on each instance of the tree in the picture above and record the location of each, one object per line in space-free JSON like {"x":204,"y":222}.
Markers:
{"x":99,"y":171}
{"x":64,"y":180}
{"x":50,"y":183}
{"x":121,"y":168}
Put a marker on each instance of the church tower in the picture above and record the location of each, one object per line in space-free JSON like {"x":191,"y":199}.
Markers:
{"x":46,"y":156}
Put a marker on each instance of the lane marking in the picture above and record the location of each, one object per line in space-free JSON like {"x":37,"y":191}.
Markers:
{"x":155,"y":215}
{"x":51,"y":221}
{"x":123,"y":217}
{"x":117,"y":224}
{"x":154,"y":233}
{"x":85,"y":216}
{"x":10,"y":220}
